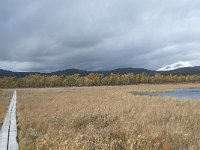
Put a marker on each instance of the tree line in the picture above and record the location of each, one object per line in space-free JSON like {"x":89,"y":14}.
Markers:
{"x":93,"y":79}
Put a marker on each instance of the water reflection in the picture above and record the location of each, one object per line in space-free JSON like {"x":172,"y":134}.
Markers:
{"x":189,"y":93}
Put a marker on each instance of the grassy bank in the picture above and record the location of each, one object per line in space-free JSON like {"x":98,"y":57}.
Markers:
{"x":106,"y":118}
{"x":5,"y":97}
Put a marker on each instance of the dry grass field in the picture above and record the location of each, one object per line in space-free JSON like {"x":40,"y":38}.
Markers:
{"x":5,"y":97}
{"x":108,"y":118}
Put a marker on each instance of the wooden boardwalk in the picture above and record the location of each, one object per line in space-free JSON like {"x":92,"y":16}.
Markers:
{"x":8,"y":134}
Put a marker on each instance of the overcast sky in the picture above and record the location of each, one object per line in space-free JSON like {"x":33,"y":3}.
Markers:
{"x":48,"y":35}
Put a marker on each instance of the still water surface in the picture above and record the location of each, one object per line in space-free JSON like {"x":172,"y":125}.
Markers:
{"x":190,"y":93}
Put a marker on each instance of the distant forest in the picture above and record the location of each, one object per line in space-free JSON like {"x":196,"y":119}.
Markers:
{"x":93,"y":79}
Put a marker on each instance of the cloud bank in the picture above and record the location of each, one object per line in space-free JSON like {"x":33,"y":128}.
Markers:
{"x":180,"y":64}
{"x":50,"y":35}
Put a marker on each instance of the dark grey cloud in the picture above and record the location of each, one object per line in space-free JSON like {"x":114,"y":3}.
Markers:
{"x":50,"y":35}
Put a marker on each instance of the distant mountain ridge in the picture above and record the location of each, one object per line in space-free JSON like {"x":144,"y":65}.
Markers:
{"x":179,"y":71}
{"x":176,"y":65}
{"x":6,"y":73}
{"x":183,"y":71}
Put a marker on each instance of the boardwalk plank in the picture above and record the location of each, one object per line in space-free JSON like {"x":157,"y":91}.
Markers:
{"x":8,"y":134}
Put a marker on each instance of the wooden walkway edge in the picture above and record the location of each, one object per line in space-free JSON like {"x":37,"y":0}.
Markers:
{"x":8,"y":134}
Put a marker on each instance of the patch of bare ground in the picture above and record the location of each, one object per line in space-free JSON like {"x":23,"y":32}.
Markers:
{"x":106,"y":118}
{"x":5,"y":97}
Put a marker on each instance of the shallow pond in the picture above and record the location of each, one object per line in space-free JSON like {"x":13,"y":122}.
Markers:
{"x":189,"y":93}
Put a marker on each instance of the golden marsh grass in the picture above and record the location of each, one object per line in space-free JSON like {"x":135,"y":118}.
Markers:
{"x":5,"y":97}
{"x":109,"y":118}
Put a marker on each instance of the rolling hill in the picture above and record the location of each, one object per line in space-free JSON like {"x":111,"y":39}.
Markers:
{"x":179,"y":71}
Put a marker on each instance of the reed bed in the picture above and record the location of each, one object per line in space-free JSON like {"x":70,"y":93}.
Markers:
{"x":5,"y":97}
{"x":108,"y":118}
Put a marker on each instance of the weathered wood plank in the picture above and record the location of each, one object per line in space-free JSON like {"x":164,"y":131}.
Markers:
{"x":8,"y":134}
{"x":4,"y":132}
